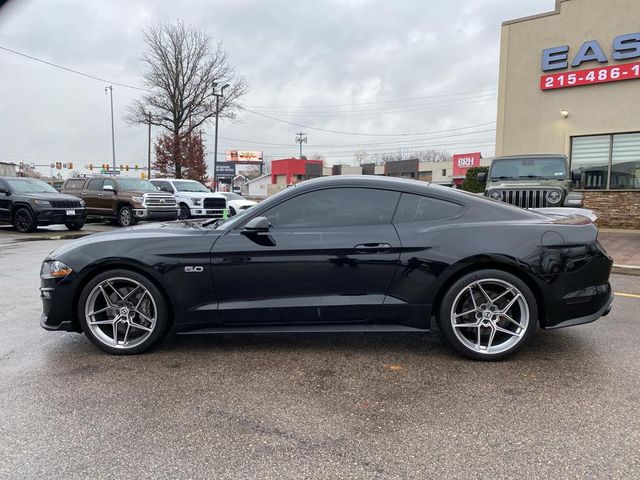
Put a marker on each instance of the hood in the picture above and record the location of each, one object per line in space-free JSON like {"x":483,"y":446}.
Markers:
{"x":528,"y":184}
{"x":242,"y":203}
{"x":48,"y":196}
{"x":140,"y":235}
{"x":200,"y":194}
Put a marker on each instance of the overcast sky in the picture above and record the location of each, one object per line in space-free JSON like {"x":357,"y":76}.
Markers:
{"x":358,"y":66}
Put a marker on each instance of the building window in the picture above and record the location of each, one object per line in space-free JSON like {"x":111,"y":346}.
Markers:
{"x":602,"y":162}
{"x":444,"y":172}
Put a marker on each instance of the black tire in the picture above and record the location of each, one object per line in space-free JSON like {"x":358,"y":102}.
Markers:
{"x":232,"y":211}
{"x":125,"y":217}
{"x":162,"y":322}
{"x":185,"y":213}
{"x":23,"y":221}
{"x":467,"y":294}
{"x":74,"y":226}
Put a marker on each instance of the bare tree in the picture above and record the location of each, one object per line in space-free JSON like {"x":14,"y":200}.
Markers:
{"x":317,"y":156}
{"x":182,"y":68}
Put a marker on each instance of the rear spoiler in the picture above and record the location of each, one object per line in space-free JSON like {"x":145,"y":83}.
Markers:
{"x":566,"y":212}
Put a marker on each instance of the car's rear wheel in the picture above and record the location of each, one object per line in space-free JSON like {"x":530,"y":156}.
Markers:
{"x":23,"y":221}
{"x":122,"y":312}
{"x":74,"y":226}
{"x":488,"y":315}
{"x":125,"y":217}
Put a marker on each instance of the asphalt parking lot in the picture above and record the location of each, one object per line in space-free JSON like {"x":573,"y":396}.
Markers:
{"x":312,"y":406}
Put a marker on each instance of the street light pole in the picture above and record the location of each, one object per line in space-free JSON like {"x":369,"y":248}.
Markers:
{"x":215,"y":148}
{"x":301,"y":137}
{"x":149,"y":150}
{"x":113,"y":140}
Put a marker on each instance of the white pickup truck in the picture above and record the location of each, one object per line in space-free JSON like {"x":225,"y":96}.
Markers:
{"x":194,"y":199}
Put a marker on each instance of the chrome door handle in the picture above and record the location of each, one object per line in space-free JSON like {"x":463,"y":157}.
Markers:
{"x":101,"y":194}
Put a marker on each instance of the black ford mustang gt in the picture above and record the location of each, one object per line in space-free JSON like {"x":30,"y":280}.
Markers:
{"x":337,"y":254}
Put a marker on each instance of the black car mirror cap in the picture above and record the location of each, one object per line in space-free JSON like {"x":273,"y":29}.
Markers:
{"x":481,"y":177}
{"x":257,"y":225}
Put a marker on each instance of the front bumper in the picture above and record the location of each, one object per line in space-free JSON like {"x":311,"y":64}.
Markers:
{"x":54,"y":216}
{"x":156,"y":214}
{"x":57,"y":305}
{"x":207,"y":212}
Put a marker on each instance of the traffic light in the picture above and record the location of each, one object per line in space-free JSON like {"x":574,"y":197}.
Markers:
{"x":91,"y":166}
{"x":136,"y":167}
{"x":58,"y":165}
{"x":70,"y":165}
{"x":106,"y":167}
{"x":126,"y":167}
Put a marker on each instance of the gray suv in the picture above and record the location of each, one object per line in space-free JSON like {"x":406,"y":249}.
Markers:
{"x":531,"y":181}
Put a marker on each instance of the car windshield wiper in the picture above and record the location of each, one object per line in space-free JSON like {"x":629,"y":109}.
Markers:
{"x":503,"y":177}
{"x":531,"y":176}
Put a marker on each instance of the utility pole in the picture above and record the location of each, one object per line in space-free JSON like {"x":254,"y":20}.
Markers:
{"x":149,"y":150}
{"x":215,"y":148}
{"x":301,"y":137}
{"x":113,"y":140}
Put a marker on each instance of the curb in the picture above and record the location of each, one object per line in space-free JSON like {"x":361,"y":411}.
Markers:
{"x":626,"y":269}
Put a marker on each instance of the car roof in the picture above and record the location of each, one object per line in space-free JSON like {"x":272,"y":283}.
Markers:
{"x":533,"y":155}
{"x":173,"y":179}
{"x":374,"y":181}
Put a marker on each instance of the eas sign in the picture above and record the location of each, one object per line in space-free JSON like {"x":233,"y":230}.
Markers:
{"x":624,"y":47}
{"x":464,"y":161}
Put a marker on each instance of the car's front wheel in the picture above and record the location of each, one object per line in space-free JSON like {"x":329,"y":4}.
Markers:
{"x":185,"y":213}
{"x":23,"y":221}
{"x":74,"y":226}
{"x":488,"y":315}
{"x":122,"y":312}
{"x":125,"y":217}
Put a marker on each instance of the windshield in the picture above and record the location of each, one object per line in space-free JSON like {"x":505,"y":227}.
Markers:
{"x":189,"y":186}
{"x":541,"y":168}
{"x":137,"y":185}
{"x":232,"y":196}
{"x":29,"y":185}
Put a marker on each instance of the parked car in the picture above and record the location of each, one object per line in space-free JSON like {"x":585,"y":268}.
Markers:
{"x":126,"y":200}
{"x":28,"y":202}
{"x":237,"y":203}
{"x":338,"y":254}
{"x":531,"y":181}
{"x":194,"y":199}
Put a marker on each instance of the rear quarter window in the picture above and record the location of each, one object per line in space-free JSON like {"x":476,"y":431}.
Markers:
{"x":74,"y":184}
{"x":418,"y":208}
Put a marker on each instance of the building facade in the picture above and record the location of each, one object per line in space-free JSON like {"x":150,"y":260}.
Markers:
{"x":569,"y":84}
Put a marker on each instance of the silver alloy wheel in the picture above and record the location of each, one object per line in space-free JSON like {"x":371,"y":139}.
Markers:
{"x":125,"y":217}
{"x":490,"y":316}
{"x":121,"y":312}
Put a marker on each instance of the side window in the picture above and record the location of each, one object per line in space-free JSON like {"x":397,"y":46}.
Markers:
{"x":335,"y":207}
{"x":95,"y":184}
{"x":74,"y":184}
{"x":110,"y":182}
{"x":164,"y":186}
{"x":417,"y":208}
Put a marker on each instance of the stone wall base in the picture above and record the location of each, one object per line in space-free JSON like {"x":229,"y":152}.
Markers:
{"x":615,"y":209}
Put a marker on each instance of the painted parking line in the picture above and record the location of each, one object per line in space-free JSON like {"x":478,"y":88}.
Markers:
{"x":628,"y":295}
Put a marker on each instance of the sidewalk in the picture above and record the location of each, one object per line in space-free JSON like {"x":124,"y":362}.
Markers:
{"x":624,"y":247}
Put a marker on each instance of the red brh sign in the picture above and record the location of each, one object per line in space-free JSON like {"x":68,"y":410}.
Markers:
{"x":464,"y":161}
{"x":612,"y":73}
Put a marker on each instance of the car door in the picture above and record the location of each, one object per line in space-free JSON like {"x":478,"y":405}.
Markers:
{"x":5,"y":202}
{"x":329,"y":256}
{"x":90,"y":196}
{"x":107,"y":199}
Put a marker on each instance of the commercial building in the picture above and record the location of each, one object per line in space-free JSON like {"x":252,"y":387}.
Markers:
{"x":7,"y":169}
{"x":570,"y":84}
{"x":288,"y":171}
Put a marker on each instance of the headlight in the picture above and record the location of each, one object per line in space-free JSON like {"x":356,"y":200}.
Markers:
{"x":42,"y":203}
{"x":137,"y":199}
{"x":82,"y":204}
{"x":554,"y":197}
{"x":54,"y":269}
{"x":197,"y":201}
{"x":495,"y":195}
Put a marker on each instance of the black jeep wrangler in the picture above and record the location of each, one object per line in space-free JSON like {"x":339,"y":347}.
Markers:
{"x":28,"y":202}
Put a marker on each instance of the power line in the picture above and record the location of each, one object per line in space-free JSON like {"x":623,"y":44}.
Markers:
{"x":51,"y":64}
{"x":360,"y":133}
{"x":374,"y":103}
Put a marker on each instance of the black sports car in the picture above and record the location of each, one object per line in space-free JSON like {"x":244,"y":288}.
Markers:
{"x":337,"y":254}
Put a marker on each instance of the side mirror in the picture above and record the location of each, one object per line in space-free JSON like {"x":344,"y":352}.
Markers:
{"x":5,"y":191}
{"x":257,"y":225}
{"x":481,"y":177}
{"x":108,"y":188}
